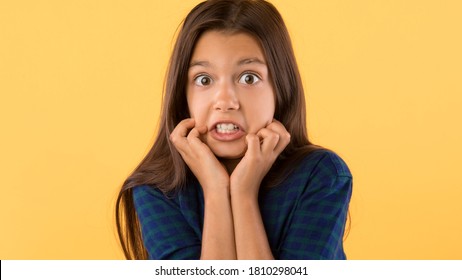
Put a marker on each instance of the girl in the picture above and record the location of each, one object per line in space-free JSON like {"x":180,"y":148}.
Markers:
{"x":232,"y":174}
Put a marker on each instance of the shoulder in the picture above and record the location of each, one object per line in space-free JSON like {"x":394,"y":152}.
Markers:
{"x":322,"y":171}
{"x":143,"y":191}
{"x":325,"y":161}
{"x":151,"y":196}
{"x":153,"y":191}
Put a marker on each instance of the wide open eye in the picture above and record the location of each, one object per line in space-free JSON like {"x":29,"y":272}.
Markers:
{"x":249,"y":79}
{"x":202,"y":80}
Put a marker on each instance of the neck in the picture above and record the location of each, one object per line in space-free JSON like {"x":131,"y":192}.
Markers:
{"x":230,"y":164}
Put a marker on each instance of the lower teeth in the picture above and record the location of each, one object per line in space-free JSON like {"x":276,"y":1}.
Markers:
{"x":226,"y":131}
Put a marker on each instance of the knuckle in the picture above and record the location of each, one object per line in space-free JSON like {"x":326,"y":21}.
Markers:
{"x":271,"y":126}
{"x":273,"y":137}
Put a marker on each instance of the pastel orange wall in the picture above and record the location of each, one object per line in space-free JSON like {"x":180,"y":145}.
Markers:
{"x":80,"y":85}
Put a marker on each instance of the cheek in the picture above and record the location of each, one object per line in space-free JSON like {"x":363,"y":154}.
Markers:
{"x":263,"y":110}
{"x":197,"y":110}
{"x":258,"y":118}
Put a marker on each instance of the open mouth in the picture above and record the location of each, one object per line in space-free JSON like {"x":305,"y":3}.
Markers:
{"x":226,"y":128}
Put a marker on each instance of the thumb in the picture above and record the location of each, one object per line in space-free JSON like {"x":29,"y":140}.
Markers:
{"x":202,"y":129}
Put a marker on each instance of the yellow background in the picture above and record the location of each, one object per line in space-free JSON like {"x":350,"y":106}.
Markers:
{"x":81,"y":81}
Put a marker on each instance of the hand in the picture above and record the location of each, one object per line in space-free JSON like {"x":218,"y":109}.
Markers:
{"x":262,"y":150}
{"x":198,"y":156}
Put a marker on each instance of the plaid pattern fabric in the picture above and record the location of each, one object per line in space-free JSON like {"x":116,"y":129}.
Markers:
{"x":304,"y":217}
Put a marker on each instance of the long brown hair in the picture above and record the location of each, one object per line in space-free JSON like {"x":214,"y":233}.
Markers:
{"x":163,"y":166}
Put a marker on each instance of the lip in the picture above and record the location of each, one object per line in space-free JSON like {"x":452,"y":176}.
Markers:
{"x":226,"y":136}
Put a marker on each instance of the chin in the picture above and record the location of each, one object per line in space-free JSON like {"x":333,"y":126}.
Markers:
{"x":229,"y":152}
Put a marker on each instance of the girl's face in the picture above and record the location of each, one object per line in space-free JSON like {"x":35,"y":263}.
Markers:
{"x":229,"y":90}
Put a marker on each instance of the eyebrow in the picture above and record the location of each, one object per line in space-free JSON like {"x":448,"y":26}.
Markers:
{"x":244,"y":61}
{"x":199,"y":63}
{"x":250,"y":60}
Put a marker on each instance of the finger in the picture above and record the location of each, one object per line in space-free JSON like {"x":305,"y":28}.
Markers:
{"x":182,"y":128}
{"x":270,"y":140}
{"x":202,"y":129}
{"x":178,"y":135}
{"x":278,"y":127}
{"x":197,"y":132}
{"x":284,"y":135}
{"x":253,"y":145}
{"x":193,"y":136}
{"x":195,"y":143}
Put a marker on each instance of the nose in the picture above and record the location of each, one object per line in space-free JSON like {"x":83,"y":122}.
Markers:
{"x":226,"y":98}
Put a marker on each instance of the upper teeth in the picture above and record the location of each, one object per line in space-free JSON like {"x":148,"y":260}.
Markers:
{"x":224,"y":127}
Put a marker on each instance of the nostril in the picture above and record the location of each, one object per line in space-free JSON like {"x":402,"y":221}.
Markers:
{"x":226,"y":105}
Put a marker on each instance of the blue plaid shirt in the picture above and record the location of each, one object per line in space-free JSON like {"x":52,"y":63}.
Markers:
{"x":304,"y":217}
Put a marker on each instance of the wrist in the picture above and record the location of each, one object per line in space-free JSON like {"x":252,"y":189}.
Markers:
{"x":243,"y":190}
{"x":217,"y":192}
{"x":241,"y":195}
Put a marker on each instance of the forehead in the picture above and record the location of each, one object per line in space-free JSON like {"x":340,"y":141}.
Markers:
{"x":220,"y":45}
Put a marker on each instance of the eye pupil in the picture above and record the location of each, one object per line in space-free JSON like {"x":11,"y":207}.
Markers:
{"x":249,"y":79}
{"x":205,"y":81}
